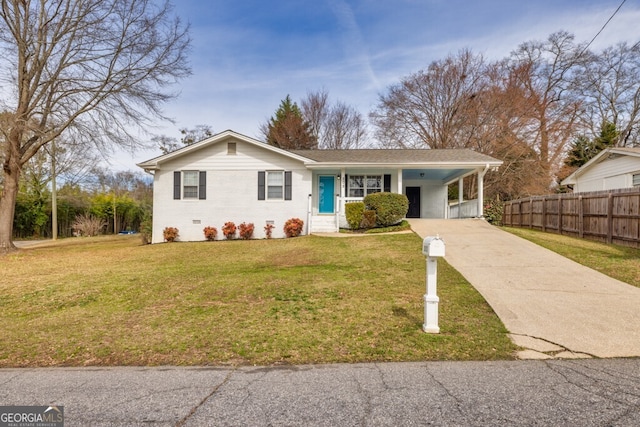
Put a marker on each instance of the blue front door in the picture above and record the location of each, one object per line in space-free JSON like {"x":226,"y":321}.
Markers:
{"x":326,"y":199}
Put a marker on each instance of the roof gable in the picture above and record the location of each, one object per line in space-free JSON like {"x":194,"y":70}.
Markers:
{"x":226,"y":136}
{"x":602,"y":156}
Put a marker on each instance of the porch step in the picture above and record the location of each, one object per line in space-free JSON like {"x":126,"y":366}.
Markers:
{"x":323,"y":224}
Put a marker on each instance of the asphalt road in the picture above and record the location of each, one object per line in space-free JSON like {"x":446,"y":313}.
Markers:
{"x":586,"y":392}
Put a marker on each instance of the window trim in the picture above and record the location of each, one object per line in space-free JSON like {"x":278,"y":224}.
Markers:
{"x":263,"y":185}
{"x":184,"y":185}
{"x":365,"y":180}
{"x":179,"y":185}
{"x":268,"y":187}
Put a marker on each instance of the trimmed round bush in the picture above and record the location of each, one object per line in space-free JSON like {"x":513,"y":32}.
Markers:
{"x":390,"y":208}
{"x":354,"y":211}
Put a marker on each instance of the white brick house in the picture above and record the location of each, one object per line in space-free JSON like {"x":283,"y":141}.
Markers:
{"x":231,"y":177}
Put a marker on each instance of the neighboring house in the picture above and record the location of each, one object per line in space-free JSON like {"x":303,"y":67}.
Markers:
{"x":231,"y":177}
{"x":611,"y":169}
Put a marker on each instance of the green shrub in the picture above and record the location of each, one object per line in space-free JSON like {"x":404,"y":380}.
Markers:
{"x":354,"y":211}
{"x":146,"y":228}
{"x":493,"y":211}
{"x":390,"y":208}
{"x":402,"y":226}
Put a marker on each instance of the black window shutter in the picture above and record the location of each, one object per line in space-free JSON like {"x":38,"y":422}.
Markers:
{"x":261,"y":180}
{"x":176,"y":185}
{"x":202,"y":187}
{"x":387,"y":183}
{"x":346,"y":185}
{"x":287,"y":185}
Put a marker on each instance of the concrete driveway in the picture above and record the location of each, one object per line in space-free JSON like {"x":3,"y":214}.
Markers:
{"x":551,"y":305}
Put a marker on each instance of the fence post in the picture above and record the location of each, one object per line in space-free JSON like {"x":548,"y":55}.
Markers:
{"x":559,"y":214}
{"x":531,"y":212}
{"x":580,"y":218}
{"x":520,"y":213}
{"x":610,"y":218}
{"x":544,"y":214}
{"x":506,"y":213}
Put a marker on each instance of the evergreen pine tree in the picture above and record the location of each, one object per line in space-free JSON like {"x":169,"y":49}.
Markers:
{"x":288,"y":130}
{"x":583,"y":149}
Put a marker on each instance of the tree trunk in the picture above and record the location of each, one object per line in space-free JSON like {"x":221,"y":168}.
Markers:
{"x":7,"y":207}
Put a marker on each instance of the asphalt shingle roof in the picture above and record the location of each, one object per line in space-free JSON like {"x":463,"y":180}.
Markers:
{"x":396,"y":156}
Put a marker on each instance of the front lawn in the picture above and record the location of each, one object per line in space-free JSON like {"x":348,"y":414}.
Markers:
{"x":111,"y":301}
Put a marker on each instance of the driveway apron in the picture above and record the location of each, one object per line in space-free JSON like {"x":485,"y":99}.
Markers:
{"x":540,"y":294}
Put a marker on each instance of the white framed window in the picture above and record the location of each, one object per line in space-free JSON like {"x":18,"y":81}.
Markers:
{"x":356,"y":185}
{"x":190,"y":180}
{"x":636,"y":180}
{"x":374,"y":184}
{"x":189,"y":185}
{"x":362,"y":185}
{"x":275,"y":185}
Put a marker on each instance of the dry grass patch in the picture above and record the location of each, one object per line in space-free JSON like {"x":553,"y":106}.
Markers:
{"x":111,"y":301}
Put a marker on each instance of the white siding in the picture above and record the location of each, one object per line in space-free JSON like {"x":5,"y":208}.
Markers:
{"x":232,"y":192}
{"x":609,"y":174}
{"x":433,"y":197}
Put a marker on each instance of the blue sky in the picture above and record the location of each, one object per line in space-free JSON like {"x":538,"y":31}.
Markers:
{"x":247,"y":55}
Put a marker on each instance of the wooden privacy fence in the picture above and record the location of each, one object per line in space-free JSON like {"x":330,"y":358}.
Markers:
{"x":611,"y":216}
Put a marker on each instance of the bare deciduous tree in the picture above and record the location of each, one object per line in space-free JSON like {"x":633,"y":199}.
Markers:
{"x":520,"y":110}
{"x":544,"y":72}
{"x":431,"y":108}
{"x":167,"y":144}
{"x":345,"y":128}
{"x":87,"y":69}
{"x":315,"y":109}
{"x":609,"y":85}
{"x":196,"y":134}
{"x":337,"y":126}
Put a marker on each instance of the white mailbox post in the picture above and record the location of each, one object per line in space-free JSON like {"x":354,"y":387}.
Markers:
{"x":432,"y":248}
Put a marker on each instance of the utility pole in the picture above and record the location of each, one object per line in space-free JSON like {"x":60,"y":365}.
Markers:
{"x":54,"y":196}
{"x":115,"y":220}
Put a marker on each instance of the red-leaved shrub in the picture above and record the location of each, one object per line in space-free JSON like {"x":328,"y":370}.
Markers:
{"x":229,"y":230}
{"x":293,"y":227}
{"x":170,"y":234}
{"x":246,"y":230}
{"x":210,"y":233}
{"x":268,"y":230}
